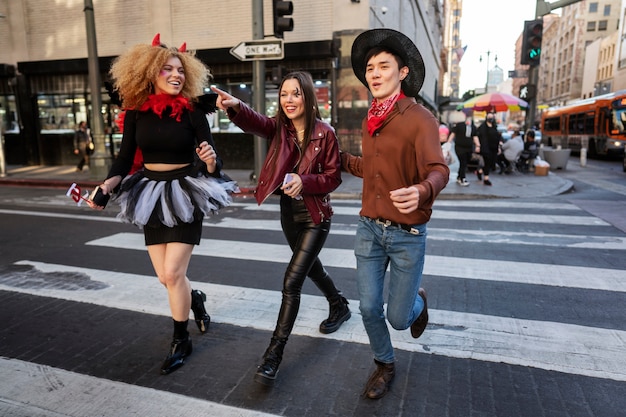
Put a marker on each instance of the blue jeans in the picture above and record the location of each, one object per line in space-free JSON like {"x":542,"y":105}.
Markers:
{"x":378,"y":246}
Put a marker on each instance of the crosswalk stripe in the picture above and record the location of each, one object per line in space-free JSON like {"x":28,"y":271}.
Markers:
{"x":546,"y":345}
{"x":353,"y":207}
{"x":39,"y":390}
{"x":486,"y":216}
{"x":434,"y":233}
{"x":515,"y":238}
{"x":437,"y":215}
{"x":481,"y":269}
{"x":519,"y":238}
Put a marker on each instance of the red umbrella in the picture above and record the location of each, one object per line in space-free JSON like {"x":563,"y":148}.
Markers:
{"x":494,"y":102}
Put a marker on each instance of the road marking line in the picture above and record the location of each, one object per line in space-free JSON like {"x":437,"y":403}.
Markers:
{"x":547,"y":345}
{"x":41,"y":390}
{"x":482,"y":269}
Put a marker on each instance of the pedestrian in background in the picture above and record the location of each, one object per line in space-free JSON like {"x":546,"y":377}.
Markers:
{"x":530,"y":151}
{"x":303,"y":167}
{"x":82,"y":142}
{"x":465,"y":138}
{"x":173,"y":192}
{"x":511,"y":151}
{"x":490,"y":140}
{"x":403,"y":171}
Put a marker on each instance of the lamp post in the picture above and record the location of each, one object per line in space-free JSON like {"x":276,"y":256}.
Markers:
{"x":3,"y":167}
{"x":487,"y":80}
{"x":99,"y":162}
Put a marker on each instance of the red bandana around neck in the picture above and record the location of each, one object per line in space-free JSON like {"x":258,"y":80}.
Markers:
{"x":159,"y":102}
{"x":378,"y":112}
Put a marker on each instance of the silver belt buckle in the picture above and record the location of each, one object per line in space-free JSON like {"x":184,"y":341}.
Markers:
{"x":385,"y":223}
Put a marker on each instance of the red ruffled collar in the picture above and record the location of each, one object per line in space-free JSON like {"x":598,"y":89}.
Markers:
{"x":158,"y":103}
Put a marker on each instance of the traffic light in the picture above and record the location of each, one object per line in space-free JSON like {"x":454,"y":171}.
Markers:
{"x":282,"y":24}
{"x":531,"y":42}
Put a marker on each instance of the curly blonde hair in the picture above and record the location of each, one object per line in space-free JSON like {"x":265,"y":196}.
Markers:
{"x":134,"y":73}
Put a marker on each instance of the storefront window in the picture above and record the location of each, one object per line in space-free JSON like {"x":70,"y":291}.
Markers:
{"x":8,"y":115}
{"x":60,"y":113}
{"x":220,"y":122}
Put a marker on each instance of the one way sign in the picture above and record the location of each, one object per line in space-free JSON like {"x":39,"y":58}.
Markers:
{"x":258,"y":50}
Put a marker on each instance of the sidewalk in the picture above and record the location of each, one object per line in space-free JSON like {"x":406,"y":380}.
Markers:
{"x":504,"y":186}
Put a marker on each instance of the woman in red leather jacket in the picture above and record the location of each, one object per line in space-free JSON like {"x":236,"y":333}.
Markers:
{"x":305,"y":148}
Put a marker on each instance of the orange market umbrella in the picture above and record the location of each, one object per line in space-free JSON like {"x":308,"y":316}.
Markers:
{"x":494,"y":102}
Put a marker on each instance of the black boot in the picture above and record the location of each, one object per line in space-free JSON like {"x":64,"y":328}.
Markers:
{"x":202,"y":318}
{"x":339,"y":312}
{"x":420,"y":323}
{"x":267,"y":371}
{"x":179,"y":350}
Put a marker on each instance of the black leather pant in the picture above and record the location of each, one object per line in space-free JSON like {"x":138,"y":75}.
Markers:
{"x":306,"y":240}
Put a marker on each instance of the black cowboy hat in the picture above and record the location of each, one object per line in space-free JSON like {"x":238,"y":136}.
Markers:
{"x":401,"y":45}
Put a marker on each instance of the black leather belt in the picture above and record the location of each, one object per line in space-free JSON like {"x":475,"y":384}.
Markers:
{"x":406,"y":227}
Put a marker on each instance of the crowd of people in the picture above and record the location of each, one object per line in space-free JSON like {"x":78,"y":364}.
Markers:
{"x":168,"y":176}
{"x":483,"y":149}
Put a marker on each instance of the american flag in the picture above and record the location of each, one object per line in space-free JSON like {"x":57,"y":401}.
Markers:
{"x":460,"y":52}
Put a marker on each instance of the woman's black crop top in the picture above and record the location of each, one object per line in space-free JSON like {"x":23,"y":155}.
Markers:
{"x":161,"y":139}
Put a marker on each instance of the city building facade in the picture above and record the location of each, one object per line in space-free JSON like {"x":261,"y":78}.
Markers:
{"x":44,"y":77}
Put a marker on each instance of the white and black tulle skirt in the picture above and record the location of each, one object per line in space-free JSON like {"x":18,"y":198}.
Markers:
{"x":169,"y":206}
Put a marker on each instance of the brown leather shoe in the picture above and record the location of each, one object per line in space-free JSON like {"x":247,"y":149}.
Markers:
{"x":419,"y":325}
{"x":379,"y":382}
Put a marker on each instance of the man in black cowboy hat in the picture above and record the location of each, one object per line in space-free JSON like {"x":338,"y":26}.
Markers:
{"x":403,"y":171}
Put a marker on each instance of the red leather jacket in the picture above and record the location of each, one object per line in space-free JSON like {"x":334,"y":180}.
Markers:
{"x":319,"y":168}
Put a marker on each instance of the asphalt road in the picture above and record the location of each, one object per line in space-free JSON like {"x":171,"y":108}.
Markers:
{"x":526,"y":298}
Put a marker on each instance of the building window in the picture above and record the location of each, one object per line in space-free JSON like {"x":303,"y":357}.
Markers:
{"x":602,"y":24}
{"x":8,"y":115}
{"x":607,"y":10}
{"x":593,"y":7}
{"x":591,"y":26}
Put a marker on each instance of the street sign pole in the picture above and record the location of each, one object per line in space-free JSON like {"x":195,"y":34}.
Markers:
{"x":258,"y":88}
{"x":100,"y":161}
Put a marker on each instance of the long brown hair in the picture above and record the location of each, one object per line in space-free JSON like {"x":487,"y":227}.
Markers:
{"x":311,"y":109}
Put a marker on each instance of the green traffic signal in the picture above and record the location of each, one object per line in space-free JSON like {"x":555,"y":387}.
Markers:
{"x":531,"y":42}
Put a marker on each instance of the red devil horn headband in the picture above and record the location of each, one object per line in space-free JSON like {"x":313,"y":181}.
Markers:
{"x":157,"y":42}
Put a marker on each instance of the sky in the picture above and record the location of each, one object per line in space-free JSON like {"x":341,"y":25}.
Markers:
{"x":494,"y":26}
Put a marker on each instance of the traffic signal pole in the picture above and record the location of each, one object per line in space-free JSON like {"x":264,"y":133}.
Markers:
{"x":542,"y":8}
{"x":100,"y":161}
{"x":258,"y":86}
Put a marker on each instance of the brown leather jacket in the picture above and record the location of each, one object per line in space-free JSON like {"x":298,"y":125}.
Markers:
{"x":320,"y":167}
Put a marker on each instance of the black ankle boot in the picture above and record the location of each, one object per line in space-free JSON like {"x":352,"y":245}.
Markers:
{"x":267,"y":371}
{"x":179,"y":350}
{"x":339,"y":312}
{"x":202,"y":318}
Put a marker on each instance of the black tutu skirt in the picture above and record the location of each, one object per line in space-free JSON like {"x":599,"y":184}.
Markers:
{"x":169,"y":206}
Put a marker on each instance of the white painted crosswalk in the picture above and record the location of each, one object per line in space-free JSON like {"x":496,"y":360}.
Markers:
{"x":543,"y":344}
{"x":491,"y":270}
